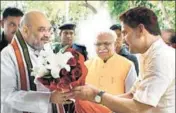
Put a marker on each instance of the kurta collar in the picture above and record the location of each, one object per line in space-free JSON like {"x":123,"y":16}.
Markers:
{"x":109,"y":60}
{"x":34,"y":51}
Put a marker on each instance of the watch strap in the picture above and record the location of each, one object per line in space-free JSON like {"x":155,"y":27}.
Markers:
{"x":101,"y":93}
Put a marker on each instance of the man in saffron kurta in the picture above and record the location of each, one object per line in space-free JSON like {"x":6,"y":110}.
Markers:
{"x":116,"y":76}
{"x":109,"y":71}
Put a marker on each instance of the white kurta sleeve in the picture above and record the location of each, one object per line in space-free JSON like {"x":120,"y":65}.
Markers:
{"x":131,"y":78}
{"x":157,"y":78}
{"x":11,"y":96}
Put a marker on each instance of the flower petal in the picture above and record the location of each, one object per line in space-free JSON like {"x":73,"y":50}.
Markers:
{"x":55,"y":72}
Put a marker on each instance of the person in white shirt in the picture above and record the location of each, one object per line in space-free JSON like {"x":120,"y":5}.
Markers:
{"x":19,"y":94}
{"x":154,"y":91}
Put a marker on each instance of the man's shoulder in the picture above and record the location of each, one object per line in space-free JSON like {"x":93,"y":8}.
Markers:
{"x":7,"y":50}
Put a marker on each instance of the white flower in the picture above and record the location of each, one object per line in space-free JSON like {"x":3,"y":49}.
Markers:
{"x":55,"y":72}
{"x":48,"y":60}
{"x":39,"y":71}
{"x":42,"y":71}
{"x":35,"y":71}
{"x":48,"y":47}
{"x":67,"y":67}
{"x":59,"y":60}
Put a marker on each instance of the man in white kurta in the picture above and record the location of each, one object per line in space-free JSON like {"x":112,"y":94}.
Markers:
{"x":14,"y":99}
{"x":156,"y":84}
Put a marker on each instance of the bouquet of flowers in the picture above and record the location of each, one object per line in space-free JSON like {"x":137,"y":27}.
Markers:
{"x":61,"y":71}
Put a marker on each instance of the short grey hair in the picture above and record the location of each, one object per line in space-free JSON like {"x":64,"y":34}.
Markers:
{"x":107,"y":32}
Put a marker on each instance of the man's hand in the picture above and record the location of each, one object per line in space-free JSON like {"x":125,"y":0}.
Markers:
{"x":60,"y":97}
{"x":86,"y":92}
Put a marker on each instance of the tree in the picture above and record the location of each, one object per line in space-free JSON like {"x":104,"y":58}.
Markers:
{"x":88,"y":5}
{"x":163,"y":9}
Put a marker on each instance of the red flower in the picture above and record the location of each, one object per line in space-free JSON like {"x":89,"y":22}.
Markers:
{"x":64,"y":83}
{"x":72,"y":62}
{"x":53,"y":85}
{"x":76,"y":73}
{"x":63,"y":72}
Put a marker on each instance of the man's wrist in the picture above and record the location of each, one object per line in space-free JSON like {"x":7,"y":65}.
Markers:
{"x":98,"y":97}
{"x":94,"y":94}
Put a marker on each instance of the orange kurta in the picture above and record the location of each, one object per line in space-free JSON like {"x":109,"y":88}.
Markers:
{"x":109,"y":76}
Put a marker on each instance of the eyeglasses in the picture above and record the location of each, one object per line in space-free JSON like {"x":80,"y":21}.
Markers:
{"x":103,"y":43}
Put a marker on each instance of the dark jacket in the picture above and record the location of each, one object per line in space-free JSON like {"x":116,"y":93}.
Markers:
{"x":3,"y":41}
{"x":77,"y":47}
{"x":125,"y":53}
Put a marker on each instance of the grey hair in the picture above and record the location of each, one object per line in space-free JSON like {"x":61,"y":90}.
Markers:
{"x":107,"y":32}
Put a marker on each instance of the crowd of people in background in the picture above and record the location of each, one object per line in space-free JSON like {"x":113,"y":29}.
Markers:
{"x":124,"y":83}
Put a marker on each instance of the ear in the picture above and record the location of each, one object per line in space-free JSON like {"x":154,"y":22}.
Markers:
{"x":141,"y":28}
{"x":25,"y":29}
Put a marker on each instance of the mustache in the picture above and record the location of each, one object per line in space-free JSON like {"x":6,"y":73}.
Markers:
{"x":46,"y":39}
{"x":103,"y":51}
{"x":13,"y":32}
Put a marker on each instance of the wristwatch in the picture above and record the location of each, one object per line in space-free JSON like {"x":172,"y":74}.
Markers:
{"x":98,"y":97}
